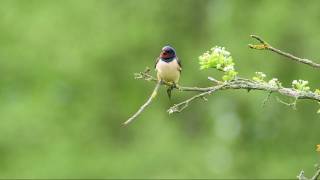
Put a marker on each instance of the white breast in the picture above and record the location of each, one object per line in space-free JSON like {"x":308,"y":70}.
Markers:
{"x":168,"y":71}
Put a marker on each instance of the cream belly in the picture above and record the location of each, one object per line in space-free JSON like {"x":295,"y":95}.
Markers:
{"x":168,"y":72}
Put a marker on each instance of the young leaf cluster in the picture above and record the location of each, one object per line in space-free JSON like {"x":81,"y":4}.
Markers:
{"x":220,"y":59}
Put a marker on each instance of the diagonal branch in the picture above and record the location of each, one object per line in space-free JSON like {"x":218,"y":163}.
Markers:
{"x":181,"y":106}
{"x":301,"y":175}
{"x":153,"y":95}
{"x":316,"y":175}
{"x":266,"y":46}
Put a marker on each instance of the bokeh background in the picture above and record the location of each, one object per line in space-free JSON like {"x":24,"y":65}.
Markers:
{"x":67,"y":84}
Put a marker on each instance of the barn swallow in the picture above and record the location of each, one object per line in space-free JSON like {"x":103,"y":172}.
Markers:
{"x":168,"y":67}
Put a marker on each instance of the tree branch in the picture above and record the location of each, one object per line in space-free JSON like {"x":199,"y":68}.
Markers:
{"x":314,"y":177}
{"x":266,"y":46}
{"x":239,"y":83}
{"x":301,"y":176}
{"x":247,"y":85}
{"x":153,"y":95}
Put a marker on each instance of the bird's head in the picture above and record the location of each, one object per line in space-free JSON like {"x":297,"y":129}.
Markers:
{"x":167,"y":53}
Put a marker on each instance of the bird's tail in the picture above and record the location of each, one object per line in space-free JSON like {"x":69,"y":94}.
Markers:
{"x":170,"y":88}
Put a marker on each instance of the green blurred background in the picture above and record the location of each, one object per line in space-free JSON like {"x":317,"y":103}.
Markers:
{"x":67,"y":84}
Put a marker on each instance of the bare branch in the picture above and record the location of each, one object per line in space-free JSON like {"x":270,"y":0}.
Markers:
{"x":214,"y":80}
{"x":248,"y":85}
{"x":293,"y":104}
{"x":314,"y":177}
{"x":181,"y":106}
{"x":239,"y":83}
{"x":266,"y":46}
{"x":153,"y":95}
{"x":301,"y":176}
{"x":266,"y":99}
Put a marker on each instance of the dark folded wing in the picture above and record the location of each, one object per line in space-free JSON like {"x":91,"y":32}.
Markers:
{"x":157,"y":60}
{"x":179,"y":62}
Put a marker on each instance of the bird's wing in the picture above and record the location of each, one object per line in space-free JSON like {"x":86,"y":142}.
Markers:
{"x":180,"y":65}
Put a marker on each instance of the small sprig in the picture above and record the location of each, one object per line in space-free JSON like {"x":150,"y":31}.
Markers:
{"x":229,"y":75}
{"x":259,"y":77}
{"x":220,"y":59}
{"x":300,"y":85}
{"x":275,"y":82}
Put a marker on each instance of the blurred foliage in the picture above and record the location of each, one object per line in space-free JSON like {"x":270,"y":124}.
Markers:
{"x":67,"y":84}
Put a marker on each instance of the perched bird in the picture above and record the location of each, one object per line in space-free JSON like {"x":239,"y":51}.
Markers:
{"x":168,"y":67}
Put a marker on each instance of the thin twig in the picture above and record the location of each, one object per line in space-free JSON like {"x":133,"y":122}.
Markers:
{"x":316,"y":175}
{"x":266,"y":46}
{"x":293,"y":104}
{"x":264,"y":102}
{"x":301,"y":176}
{"x":214,"y":80}
{"x":181,"y":106}
{"x":153,"y":95}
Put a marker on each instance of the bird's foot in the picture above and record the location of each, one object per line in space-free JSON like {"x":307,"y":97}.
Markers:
{"x":177,"y":86}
